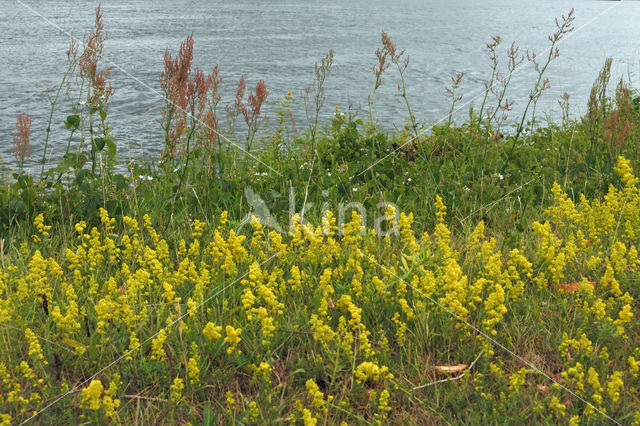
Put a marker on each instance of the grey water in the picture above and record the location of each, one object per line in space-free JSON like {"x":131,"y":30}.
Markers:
{"x":280,"y":40}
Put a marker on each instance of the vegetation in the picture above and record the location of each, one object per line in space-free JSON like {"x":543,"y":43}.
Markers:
{"x":264,"y":274}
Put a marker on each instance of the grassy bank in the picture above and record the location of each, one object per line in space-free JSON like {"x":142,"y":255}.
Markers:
{"x":270,"y":272}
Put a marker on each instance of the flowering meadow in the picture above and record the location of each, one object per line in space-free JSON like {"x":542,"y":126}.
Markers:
{"x":315,"y":326}
{"x":478,"y":273}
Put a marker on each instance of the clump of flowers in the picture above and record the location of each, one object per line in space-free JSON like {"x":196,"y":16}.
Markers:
{"x":91,"y":395}
{"x":232,"y":338}
{"x":176,"y":389}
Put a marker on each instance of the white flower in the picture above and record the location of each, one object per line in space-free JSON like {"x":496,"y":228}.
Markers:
{"x":409,"y":179}
{"x":354,"y":189}
{"x":329,"y":174}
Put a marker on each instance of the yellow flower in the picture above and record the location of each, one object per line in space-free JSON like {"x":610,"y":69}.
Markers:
{"x":34,"y":345}
{"x":634,"y":366}
{"x":308,"y":419}
{"x":230,"y":402}
{"x":233,"y":338}
{"x":43,"y":230}
{"x":441,"y":209}
{"x":624,"y":316}
{"x":176,"y":390}
{"x":157,"y":346}
{"x":455,"y":288}
{"x":517,"y":380}
{"x":212,"y":331}
{"x":576,"y":375}
{"x":557,"y":407}
{"x":369,"y":370}
{"x":198,"y":227}
{"x":90,"y":396}
{"x":317,"y":397}
{"x":615,"y":386}
{"x":625,"y":172}
{"x":193,"y":371}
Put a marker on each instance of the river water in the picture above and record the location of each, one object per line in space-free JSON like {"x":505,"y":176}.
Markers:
{"x":280,"y":40}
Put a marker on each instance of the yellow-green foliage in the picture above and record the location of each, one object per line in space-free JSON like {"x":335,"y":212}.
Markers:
{"x":327,"y":326}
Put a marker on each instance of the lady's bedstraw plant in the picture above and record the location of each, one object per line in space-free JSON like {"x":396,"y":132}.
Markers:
{"x":126,"y":292}
{"x":320,"y":323}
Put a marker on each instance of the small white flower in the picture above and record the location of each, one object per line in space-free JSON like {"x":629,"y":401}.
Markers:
{"x":354,"y":189}
{"x":466,"y":188}
{"x":329,"y":174}
{"x":409,"y":179}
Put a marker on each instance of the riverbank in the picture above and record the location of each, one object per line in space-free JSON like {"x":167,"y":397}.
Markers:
{"x":305,"y":274}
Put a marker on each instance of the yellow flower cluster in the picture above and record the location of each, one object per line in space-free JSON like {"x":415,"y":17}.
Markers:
{"x":348,"y":301}
{"x":91,"y":395}
{"x":176,"y":389}
{"x":317,"y":397}
{"x":43,"y":230}
{"x":212,"y":331}
{"x":94,"y":396}
{"x":369,"y":370}
{"x":233,"y":338}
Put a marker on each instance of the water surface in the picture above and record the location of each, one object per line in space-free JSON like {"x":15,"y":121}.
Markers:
{"x":279,"y":41}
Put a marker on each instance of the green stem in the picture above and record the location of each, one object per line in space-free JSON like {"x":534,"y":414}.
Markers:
{"x":53,"y":106}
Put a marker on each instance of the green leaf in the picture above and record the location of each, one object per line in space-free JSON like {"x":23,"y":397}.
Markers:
{"x":80,"y":176}
{"x":72,"y":121}
{"x":99,"y":143}
{"x":103,"y":114}
{"x":17,"y":206}
{"x":208,"y":418}
{"x":111,"y":147}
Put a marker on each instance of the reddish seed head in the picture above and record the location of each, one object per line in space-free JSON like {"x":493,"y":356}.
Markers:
{"x":390,"y":48}
{"x":259,"y":98}
{"x":215,"y":84}
{"x":255,"y":102}
{"x":21,"y":146}
{"x":210,"y":126}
